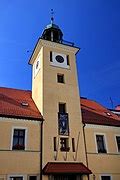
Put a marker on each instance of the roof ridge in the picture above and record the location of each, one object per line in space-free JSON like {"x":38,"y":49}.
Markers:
{"x":15,"y":89}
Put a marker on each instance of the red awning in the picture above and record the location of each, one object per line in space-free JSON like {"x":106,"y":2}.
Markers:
{"x":68,"y":168}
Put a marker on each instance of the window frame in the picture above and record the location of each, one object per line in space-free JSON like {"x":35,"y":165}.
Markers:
{"x":62,"y":75}
{"x":67,"y":147}
{"x":105,"y":175}
{"x":104,"y":141}
{"x":65,"y":109}
{"x":68,"y":60}
{"x":12,"y":137}
{"x":32,"y":175}
{"x":15,"y":175}
{"x":117,"y":135}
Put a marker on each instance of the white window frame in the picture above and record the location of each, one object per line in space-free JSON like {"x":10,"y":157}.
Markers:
{"x":105,"y":141}
{"x":26,"y":134}
{"x":15,"y":175}
{"x":105,"y":175}
{"x":116,"y":142}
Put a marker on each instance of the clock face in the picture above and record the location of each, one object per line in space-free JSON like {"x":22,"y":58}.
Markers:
{"x":59,"y":59}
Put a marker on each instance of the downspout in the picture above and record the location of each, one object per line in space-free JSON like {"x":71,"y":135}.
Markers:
{"x":86,"y":150}
{"x":41,"y":147}
{"x":85,"y":144}
{"x":85,"y":147}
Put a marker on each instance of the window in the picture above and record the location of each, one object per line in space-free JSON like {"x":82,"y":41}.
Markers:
{"x":118,"y":142}
{"x":16,"y":178}
{"x":62,"y":108}
{"x":32,"y":177}
{"x":73,"y":144}
{"x":105,"y":177}
{"x":100,"y":144}
{"x":18,"y":139}
{"x":60,"y":78}
{"x":63,"y":122}
{"x":68,"y":62}
{"x":51,"y":56}
{"x":37,"y":65}
{"x":55,"y":145}
{"x":64,"y":142}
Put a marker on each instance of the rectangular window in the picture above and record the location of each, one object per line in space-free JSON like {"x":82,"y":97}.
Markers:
{"x":100,"y":144}
{"x":32,"y":177}
{"x":62,"y":108}
{"x":105,"y":177}
{"x":64,"y":144}
{"x":73,"y":144}
{"x":18,"y":139}
{"x":63,"y":121}
{"x":63,"y":124}
{"x":51,"y":56}
{"x":55,"y":146}
{"x":60,"y":78}
{"x":68,"y":62}
{"x":118,"y":142}
{"x":16,"y":178}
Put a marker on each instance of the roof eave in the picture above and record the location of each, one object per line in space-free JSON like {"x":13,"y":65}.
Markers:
{"x":22,"y":117}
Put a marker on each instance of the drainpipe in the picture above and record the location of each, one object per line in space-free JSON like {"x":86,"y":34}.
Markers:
{"x":85,"y":147}
{"x":85,"y":144}
{"x":41,"y":147}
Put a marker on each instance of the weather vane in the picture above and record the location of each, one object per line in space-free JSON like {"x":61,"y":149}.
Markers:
{"x":52,"y":16}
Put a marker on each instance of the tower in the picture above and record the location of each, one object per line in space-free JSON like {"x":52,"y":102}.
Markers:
{"x":55,"y":92}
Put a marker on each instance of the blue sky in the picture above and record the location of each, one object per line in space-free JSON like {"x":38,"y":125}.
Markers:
{"x":93,"y":25}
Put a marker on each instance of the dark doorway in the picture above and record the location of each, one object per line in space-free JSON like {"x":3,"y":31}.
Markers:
{"x":65,"y":177}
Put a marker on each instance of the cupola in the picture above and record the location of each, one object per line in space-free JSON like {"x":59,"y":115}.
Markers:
{"x":52,"y":32}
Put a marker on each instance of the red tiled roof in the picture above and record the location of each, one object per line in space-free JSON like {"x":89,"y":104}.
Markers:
{"x":68,"y":167}
{"x":94,"y":113}
{"x":11,"y":104}
{"x":117,"y":107}
{"x":11,"y":99}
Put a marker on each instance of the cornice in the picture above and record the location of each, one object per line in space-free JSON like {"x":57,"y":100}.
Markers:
{"x":94,"y":126}
{"x":16,"y":120}
{"x":60,"y":46}
{"x":45,"y":43}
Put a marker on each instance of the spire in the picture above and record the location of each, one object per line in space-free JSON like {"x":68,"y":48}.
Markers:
{"x":52,"y":16}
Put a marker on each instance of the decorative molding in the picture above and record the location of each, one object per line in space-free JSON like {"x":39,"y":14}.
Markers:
{"x":104,"y":154}
{"x":58,"y":46}
{"x":94,"y":126}
{"x":6,"y":119}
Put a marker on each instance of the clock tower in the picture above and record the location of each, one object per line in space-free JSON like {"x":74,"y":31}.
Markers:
{"x":55,"y":93}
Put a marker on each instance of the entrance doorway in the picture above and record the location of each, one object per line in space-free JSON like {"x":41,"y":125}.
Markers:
{"x":65,"y":177}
